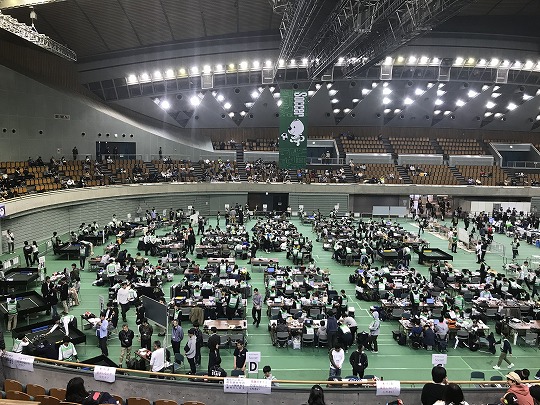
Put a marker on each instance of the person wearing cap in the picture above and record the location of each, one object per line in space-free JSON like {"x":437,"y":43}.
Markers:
{"x":374,"y":330}
{"x":213,"y":346}
{"x":521,"y":391}
{"x":506,"y":350}
{"x":190,"y":350}
{"x":67,"y":351}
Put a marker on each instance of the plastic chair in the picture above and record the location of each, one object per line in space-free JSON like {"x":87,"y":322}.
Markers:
{"x":59,"y":393}
{"x":35,"y":390}
{"x":13,"y":385}
{"x":308,"y":339}
{"x":282,"y":339}
{"x":478,"y":375}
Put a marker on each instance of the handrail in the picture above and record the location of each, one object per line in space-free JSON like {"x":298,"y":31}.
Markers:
{"x":280,"y":381}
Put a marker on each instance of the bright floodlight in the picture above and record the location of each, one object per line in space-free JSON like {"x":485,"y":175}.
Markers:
{"x":227,"y":106}
{"x":328,"y":85}
{"x":231,"y":66}
{"x":182,"y":71}
{"x":293,"y":62}
{"x":341,"y":59}
{"x":346,"y":110}
{"x":332,"y":93}
{"x":365,"y":92}
{"x":165,"y":105}
{"x":397,"y":111}
{"x":195,"y":101}
{"x":304,"y":61}
{"x":490,"y":105}
{"x":254,"y":94}
{"x":512,"y":106}
{"x":355,"y":100}
{"x":470,"y":61}
{"x":282,"y":62}
{"x":220,"y":97}
{"x":145,"y":76}
{"x":256,"y":64}
{"x":334,"y":101}
{"x":437,"y":112}
{"x":388,"y":60}
{"x":279,"y":102}
{"x":458,"y":61}
{"x":219,"y":68}
{"x":157,"y":75}
{"x":494,"y":62}
{"x":194,"y":70}
{"x":336,"y":110}
{"x":441,"y":93}
{"x":529,"y":64}
{"x":268,"y":63}
{"x":169,"y":73}
{"x":439,"y":102}
{"x":207,"y":69}
{"x":243,"y":65}
{"x":488,"y":114}
{"x":424,"y":60}
{"x":498,"y":115}
{"x":506,"y":63}
{"x":386,"y":100}
{"x":132,"y":78}
{"x":472,"y":94}
{"x":527,"y":97}
{"x":412,"y":59}
{"x":482,"y":62}
{"x":408,"y":101}
{"x":460,"y":103}
{"x":242,"y":113}
{"x":387,"y":110}
{"x":400,"y":59}
{"x":231,"y":114}
{"x":419,"y":91}
{"x":386,"y":91}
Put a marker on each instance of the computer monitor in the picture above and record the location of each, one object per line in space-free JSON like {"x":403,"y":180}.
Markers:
{"x":270,"y":270}
{"x":430,"y":301}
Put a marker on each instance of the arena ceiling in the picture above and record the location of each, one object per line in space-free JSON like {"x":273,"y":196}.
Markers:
{"x":150,"y":57}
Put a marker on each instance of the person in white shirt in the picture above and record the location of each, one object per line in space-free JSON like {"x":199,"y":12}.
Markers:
{"x":67,"y":350}
{"x":337,"y":356}
{"x":123,"y":296}
{"x":20,"y":343}
{"x":65,"y":320}
{"x":158,"y":360}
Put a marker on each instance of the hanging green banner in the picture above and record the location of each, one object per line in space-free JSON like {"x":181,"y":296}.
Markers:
{"x":293,"y":129}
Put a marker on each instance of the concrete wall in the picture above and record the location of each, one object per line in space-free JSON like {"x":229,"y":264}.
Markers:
{"x":53,"y":376}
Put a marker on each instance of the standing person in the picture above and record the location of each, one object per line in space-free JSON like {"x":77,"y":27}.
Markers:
{"x":75,"y":152}
{"x":199,"y":340}
{"x":218,"y":217}
{"x":11,"y":241}
{"x":331,"y":329}
{"x":506,"y":350}
{"x":123,"y":296}
{"x":454,"y":242}
{"x":64,"y":295}
{"x":145,"y":334}
{"x":359,"y":361}
{"x":27,"y":250}
{"x":191,"y":241}
{"x":190,"y":350}
{"x":12,"y":309}
{"x":126,"y":336}
{"x":374,"y":329}
{"x":257,"y":305}
{"x":478,"y":250}
{"x":337,"y":356}
{"x":111,"y":272}
{"x":514,"y":245}
{"x":160,"y":153}
{"x":84,"y":252}
{"x":52,"y":300}
{"x":158,"y":359}
{"x":240,"y":354}
{"x":214,"y":357}
{"x":233,"y":302}
{"x":177,"y":335}
{"x":102,"y":331}
{"x":434,"y":391}
{"x":35,"y":253}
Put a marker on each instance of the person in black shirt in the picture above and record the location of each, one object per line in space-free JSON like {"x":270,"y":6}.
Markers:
{"x":434,"y":391}
{"x":213,"y":347}
{"x":239,"y":356}
{"x":217,"y":371}
{"x":27,"y":250}
{"x":126,"y":336}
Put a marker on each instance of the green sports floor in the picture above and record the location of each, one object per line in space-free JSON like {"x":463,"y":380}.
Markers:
{"x":392,"y":361}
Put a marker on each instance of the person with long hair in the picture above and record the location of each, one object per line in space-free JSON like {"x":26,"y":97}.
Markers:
{"x":316,"y":395}
{"x":75,"y":390}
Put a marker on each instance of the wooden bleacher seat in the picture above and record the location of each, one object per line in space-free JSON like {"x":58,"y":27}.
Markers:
{"x":35,"y":390}
{"x":193,"y":403}
{"x":59,"y":393}
{"x":18,"y":396}
{"x":165,"y":402}
{"x":138,"y":401}
{"x":46,"y":400}
{"x":118,"y":398}
{"x":13,"y":385}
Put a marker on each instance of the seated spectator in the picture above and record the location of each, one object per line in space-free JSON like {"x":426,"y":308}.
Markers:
{"x":434,"y":391}
{"x":453,"y":395}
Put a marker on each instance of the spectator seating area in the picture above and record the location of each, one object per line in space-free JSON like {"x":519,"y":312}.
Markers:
{"x":460,"y":146}
{"x":175,"y":170}
{"x":374,"y":173}
{"x":219,"y":170}
{"x":413,"y":146}
{"x":483,"y":175}
{"x":370,"y":144}
{"x":261,"y":171}
{"x":432,"y":174}
{"x":14,"y":390}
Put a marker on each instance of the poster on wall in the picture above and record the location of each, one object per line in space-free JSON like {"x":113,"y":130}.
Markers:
{"x":293,"y":133}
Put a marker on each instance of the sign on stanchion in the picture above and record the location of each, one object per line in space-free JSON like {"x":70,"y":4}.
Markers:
{"x":247,"y":385}
{"x":385,"y":387}
{"x":253,"y":359}
{"x":439,"y":359}
{"x":103,"y":373}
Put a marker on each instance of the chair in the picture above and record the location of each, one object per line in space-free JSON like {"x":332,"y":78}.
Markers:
{"x":496,"y":378}
{"x":530,"y":338}
{"x":165,"y":402}
{"x":13,"y":385}
{"x":491,"y":313}
{"x":59,"y":393}
{"x":234,"y":338}
{"x":236,"y":373}
{"x":118,"y":398}
{"x":35,"y":390}
{"x":138,"y":401}
{"x":282,"y":339}
{"x":193,"y":403}
{"x":46,"y":400}
{"x":461,"y":336}
{"x":205,"y":337}
{"x":477,"y":375}
{"x":308,"y":339}
{"x":323,"y":341}
{"x":314,"y":312}
{"x":397,"y":313}
{"x":19,"y":396}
